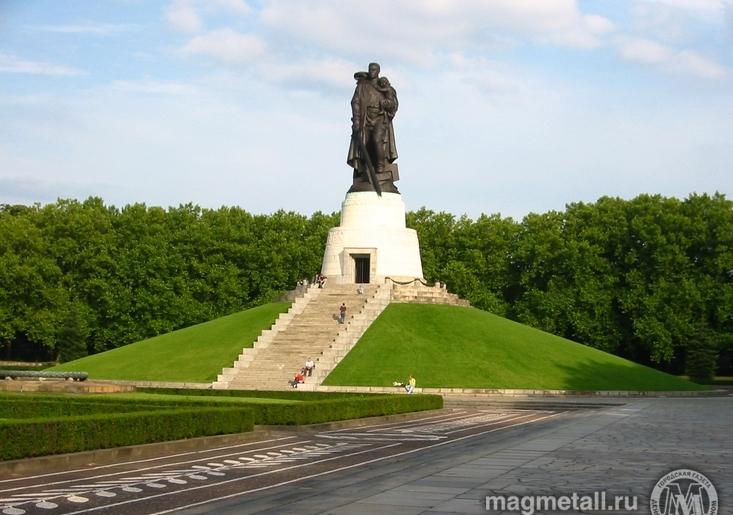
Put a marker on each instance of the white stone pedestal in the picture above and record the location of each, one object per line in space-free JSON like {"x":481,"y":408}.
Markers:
{"x":372,"y":227}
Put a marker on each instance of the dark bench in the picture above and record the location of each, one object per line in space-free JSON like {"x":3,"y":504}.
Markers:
{"x":41,"y":374}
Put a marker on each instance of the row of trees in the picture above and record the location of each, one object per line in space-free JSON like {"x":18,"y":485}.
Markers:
{"x":79,"y":277}
{"x":650,"y":279}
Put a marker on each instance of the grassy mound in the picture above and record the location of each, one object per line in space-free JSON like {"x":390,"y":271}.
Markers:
{"x":447,"y":346}
{"x":196,"y":353}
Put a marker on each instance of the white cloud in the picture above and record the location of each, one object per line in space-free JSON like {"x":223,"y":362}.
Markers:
{"x":415,"y":32}
{"x":236,"y":6}
{"x":329,"y":72}
{"x":226,"y":45}
{"x":705,"y":8}
{"x":153,"y":87}
{"x":29,"y":190}
{"x":680,"y":61}
{"x":182,"y":16}
{"x":485,"y":76}
{"x":659,"y":21}
{"x":100,"y":29}
{"x":645,"y":51}
{"x":700,"y":65}
{"x":12,"y":64}
{"x":185,"y":15}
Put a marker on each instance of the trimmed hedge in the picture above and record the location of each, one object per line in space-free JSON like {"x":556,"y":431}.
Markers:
{"x":65,"y":423}
{"x":42,"y":436}
{"x":324,"y":407}
{"x":343,"y":409}
{"x":292,"y":394}
{"x":48,"y":408}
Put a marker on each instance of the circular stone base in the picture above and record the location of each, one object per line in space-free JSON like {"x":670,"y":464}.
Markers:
{"x":372,"y":227}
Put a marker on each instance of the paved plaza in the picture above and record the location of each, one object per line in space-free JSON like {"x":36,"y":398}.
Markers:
{"x":441,"y":462}
{"x":623,"y":450}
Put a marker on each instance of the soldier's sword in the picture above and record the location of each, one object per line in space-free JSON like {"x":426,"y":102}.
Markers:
{"x":371,"y":174}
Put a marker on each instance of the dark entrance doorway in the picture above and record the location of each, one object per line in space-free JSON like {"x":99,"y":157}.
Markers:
{"x":361,"y":264}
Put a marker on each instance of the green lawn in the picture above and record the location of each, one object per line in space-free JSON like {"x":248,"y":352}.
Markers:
{"x":447,"y":346}
{"x":196,"y":353}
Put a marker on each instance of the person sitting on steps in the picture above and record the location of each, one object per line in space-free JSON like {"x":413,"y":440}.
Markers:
{"x":410,"y":386}
{"x":309,"y":366}
{"x":298,"y":379}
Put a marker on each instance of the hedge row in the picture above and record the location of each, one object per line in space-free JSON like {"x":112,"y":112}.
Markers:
{"x":292,"y":394}
{"x":45,"y":408}
{"x":42,"y":436}
{"x":342,"y":409}
{"x":325,"y":407}
{"x":102,"y":422}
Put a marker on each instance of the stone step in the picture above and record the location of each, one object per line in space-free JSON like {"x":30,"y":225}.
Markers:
{"x":310,"y":329}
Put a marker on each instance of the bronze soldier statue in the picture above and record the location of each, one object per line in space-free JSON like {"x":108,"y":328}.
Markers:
{"x":372,"y":151}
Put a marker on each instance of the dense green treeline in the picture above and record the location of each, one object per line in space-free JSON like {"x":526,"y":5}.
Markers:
{"x":78,"y":277}
{"x":650,"y":279}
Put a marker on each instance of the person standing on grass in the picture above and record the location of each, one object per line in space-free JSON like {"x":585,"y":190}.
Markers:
{"x":342,"y":313}
{"x":410,"y":386}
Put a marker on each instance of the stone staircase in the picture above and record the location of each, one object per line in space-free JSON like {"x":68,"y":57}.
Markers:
{"x":418,"y":292}
{"x":350,"y":335}
{"x":309,"y":328}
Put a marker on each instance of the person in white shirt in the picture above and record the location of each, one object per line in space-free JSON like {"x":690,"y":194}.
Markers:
{"x":309,"y":366}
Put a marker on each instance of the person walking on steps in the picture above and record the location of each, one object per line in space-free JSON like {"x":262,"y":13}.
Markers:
{"x":342,"y":313}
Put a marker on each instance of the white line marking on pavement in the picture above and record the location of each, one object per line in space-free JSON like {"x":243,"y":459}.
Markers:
{"x":85,"y":469}
{"x":507,"y":419}
{"x":152,"y":479}
{"x":124,"y":472}
{"x":447,"y":421}
{"x":210,"y":485}
{"x":402,"y":422}
{"x":347,"y":467}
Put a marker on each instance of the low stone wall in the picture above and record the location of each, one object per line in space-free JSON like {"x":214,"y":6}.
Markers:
{"x":62,"y":386}
{"x":419,"y":293}
{"x":157,"y":384}
{"x":490,"y":392}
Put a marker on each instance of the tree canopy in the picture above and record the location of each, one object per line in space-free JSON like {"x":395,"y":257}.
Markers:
{"x":650,"y":279}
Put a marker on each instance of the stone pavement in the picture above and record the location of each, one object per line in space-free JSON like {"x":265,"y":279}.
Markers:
{"x":622,"y":450}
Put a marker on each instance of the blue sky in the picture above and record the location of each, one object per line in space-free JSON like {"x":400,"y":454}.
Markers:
{"x":506,"y":106}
